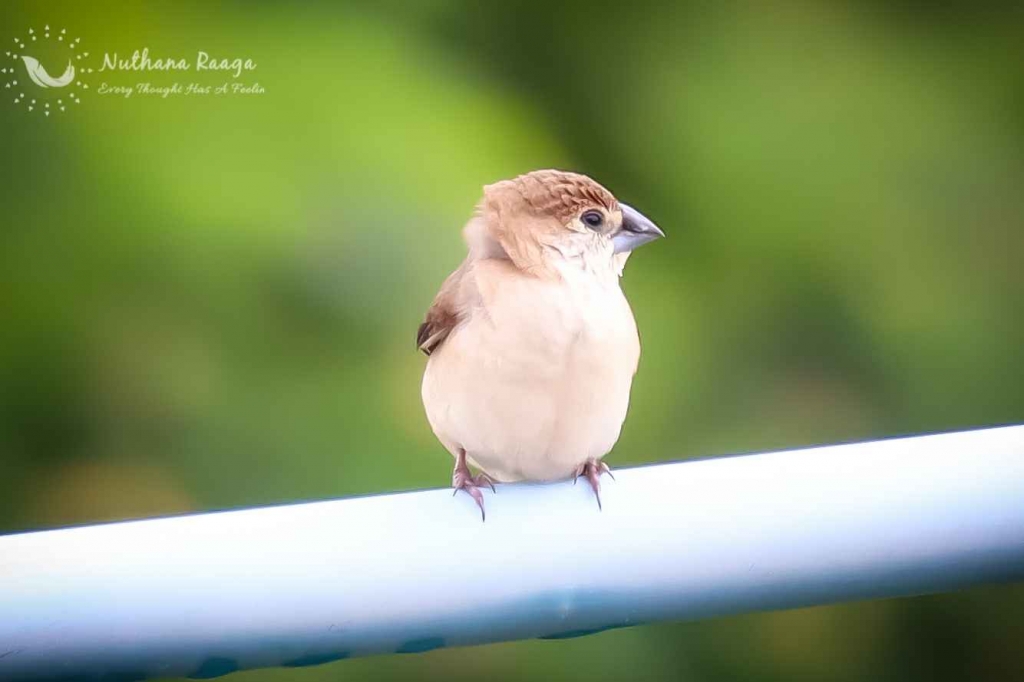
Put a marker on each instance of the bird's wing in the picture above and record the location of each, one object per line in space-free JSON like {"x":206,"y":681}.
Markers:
{"x":444,"y":312}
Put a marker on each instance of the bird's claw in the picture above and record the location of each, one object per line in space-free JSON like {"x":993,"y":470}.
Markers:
{"x":483,"y":479}
{"x":462,"y":479}
{"x":592,"y":470}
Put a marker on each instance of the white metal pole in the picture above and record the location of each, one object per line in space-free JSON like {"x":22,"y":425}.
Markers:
{"x":207,"y":594}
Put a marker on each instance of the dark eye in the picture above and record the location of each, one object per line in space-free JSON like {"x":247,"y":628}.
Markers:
{"x":592,"y":219}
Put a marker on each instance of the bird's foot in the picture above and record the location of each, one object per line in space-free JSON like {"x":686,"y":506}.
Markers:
{"x":592,"y":470}
{"x":462,"y":479}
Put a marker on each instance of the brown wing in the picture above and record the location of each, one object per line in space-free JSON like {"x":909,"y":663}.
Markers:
{"x":443,"y":314}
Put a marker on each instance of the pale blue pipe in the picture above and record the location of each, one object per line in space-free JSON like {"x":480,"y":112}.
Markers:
{"x":209,"y":594}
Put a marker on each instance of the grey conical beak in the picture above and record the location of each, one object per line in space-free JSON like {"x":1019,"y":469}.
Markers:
{"x":636,"y":230}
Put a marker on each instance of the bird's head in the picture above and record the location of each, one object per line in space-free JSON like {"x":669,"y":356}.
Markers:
{"x":548,"y":219}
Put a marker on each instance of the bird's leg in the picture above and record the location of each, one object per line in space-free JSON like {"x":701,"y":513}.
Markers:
{"x":463,"y":479}
{"x":592,"y":470}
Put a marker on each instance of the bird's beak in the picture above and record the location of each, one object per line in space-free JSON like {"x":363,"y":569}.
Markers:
{"x":636,"y":230}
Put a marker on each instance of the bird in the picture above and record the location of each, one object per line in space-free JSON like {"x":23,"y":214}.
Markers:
{"x":531,"y":345}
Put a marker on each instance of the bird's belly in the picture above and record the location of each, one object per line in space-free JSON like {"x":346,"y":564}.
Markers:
{"x":532,"y":409}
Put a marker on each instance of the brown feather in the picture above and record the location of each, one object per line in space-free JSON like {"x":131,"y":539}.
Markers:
{"x":527,"y":213}
{"x":561,"y":194}
{"x":542,"y":201}
{"x":443,"y":315}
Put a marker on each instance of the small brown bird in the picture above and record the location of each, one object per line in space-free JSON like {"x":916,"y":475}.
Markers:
{"x":532,"y":346}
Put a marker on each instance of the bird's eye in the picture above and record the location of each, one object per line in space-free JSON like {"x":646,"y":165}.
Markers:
{"x":592,"y":219}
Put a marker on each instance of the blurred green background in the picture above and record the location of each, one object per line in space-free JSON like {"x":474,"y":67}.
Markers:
{"x":208,"y":303}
